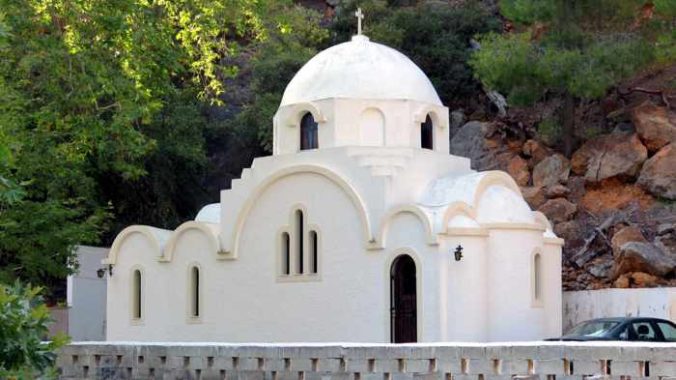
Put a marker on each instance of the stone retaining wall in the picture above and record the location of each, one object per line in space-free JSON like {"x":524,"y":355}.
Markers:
{"x":203,"y":361}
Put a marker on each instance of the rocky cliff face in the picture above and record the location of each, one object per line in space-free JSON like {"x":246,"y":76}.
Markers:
{"x":613,"y":200}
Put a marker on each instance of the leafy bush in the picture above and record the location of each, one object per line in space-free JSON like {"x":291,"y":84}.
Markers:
{"x":23,"y":329}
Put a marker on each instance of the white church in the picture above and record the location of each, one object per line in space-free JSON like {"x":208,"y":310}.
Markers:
{"x":359,"y":228}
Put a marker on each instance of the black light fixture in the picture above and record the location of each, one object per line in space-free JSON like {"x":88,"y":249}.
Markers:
{"x":458,"y":252}
{"x":102,"y":271}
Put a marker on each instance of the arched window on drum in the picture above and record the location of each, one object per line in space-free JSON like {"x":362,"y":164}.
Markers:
{"x":308,"y":133}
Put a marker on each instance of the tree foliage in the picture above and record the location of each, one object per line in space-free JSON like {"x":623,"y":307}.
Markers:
{"x":95,"y":94}
{"x":573,"y":49}
{"x":24,"y":321}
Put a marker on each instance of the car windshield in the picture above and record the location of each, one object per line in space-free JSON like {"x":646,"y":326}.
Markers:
{"x":592,"y":328}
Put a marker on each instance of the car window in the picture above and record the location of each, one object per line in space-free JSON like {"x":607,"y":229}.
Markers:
{"x":592,"y":328}
{"x":668,"y":331}
{"x":644,"y":331}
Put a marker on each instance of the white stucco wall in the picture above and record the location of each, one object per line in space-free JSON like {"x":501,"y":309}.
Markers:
{"x":588,"y":304}
{"x":87,"y":296}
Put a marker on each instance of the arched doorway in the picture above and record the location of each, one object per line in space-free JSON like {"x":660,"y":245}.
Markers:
{"x":403,"y":301}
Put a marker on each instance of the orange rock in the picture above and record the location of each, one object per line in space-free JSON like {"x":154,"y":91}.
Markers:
{"x":644,"y":280}
{"x":534,"y":195}
{"x":607,"y":156}
{"x":558,"y":210}
{"x":535,"y":150}
{"x":622,"y":282}
{"x":517,"y":167}
{"x":656,"y":126}
{"x":626,"y":235}
{"x":659,"y":173}
{"x":613,"y":194}
{"x":552,"y":170}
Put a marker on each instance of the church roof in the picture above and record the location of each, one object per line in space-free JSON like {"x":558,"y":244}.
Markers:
{"x":360,"y":69}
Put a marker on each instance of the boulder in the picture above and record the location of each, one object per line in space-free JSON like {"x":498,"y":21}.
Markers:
{"x":656,"y":126}
{"x":643,"y":257}
{"x":556,"y":191}
{"x":616,"y":154}
{"x":558,"y":210}
{"x":552,"y":170}
{"x":534,"y":196}
{"x":471,"y":141}
{"x":625,"y":235}
{"x":601,"y":268}
{"x":644,"y":280}
{"x":569,"y":231}
{"x":457,"y":120}
{"x":658,"y":175}
{"x":622,"y":282}
{"x":517,"y":167}
{"x":534,"y":150}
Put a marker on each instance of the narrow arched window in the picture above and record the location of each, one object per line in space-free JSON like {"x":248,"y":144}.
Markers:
{"x":137,"y":295}
{"x":314,"y":259}
{"x":537,"y":277}
{"x":299,"y":238}
{"x":427,"y":134}
{"x":286,"y":253}
{"x":308,"y":132}
{"x":194,"y":292}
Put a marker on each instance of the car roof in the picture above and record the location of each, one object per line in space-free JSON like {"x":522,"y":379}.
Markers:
{"x":628,"y":319}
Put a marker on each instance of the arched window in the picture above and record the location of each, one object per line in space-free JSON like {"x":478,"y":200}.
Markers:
{"x":537,"y":277}
{"x":308,"y":132}
{"x":300,"y":235}
{"x":137,"y":295}
{"x":286,"y":253}
{"x":314,"y":260}
{"x":427,"y":134}
{"x":195,"y":292}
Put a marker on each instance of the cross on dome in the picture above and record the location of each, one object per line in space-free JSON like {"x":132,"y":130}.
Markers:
{"x":360,"y":16}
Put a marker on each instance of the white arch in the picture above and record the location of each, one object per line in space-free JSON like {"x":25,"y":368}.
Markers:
{"x":327,"y":173}
{"x":146,"y":231}
{"x":300,"y":109}
{"x":430,"y":236}
{"x":208,"y":229}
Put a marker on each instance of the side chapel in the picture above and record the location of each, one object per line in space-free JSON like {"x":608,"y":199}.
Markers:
{"x":359,"y":228}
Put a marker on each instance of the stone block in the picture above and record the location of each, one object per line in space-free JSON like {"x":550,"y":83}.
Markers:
{"x":330,"y":365}
{"x":276,"y":364}
{"x":586,"y":367}
{"x":302,"y":364}
{"x":449,"y":365}
{"x":473,"y":352}
{"x":549,"y":352}
{"x":387,"y":365}
{"x":417,"y":365}
{"x":480,"y":366}
{"x":356,"y":365}
{"x":549,"y":367}
{"x":624,"y":368}
{"x":663,"y":368}
{"x":517,"y":367}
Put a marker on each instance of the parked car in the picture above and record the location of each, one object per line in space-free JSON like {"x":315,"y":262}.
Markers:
{"x":628,"y":329}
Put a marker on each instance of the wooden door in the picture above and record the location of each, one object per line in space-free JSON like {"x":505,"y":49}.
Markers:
{"x":403,"y":301}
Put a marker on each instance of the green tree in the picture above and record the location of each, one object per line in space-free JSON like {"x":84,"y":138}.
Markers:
{"x":275,"y":60}
{"x":573,"y":50}
{"x":85,"y":91}
{"x":24,"y":321}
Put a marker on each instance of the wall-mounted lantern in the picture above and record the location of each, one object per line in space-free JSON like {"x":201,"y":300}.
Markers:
{"x":458,"y":253}
{"x":102,"y":271}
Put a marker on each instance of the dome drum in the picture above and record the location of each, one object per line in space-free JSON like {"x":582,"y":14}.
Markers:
{"x":360,"y":93}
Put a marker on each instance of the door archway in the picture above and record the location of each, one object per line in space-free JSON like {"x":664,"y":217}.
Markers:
{"x":403,"y":300}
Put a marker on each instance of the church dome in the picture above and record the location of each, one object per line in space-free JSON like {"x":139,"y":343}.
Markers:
{"x":360,"y":69}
